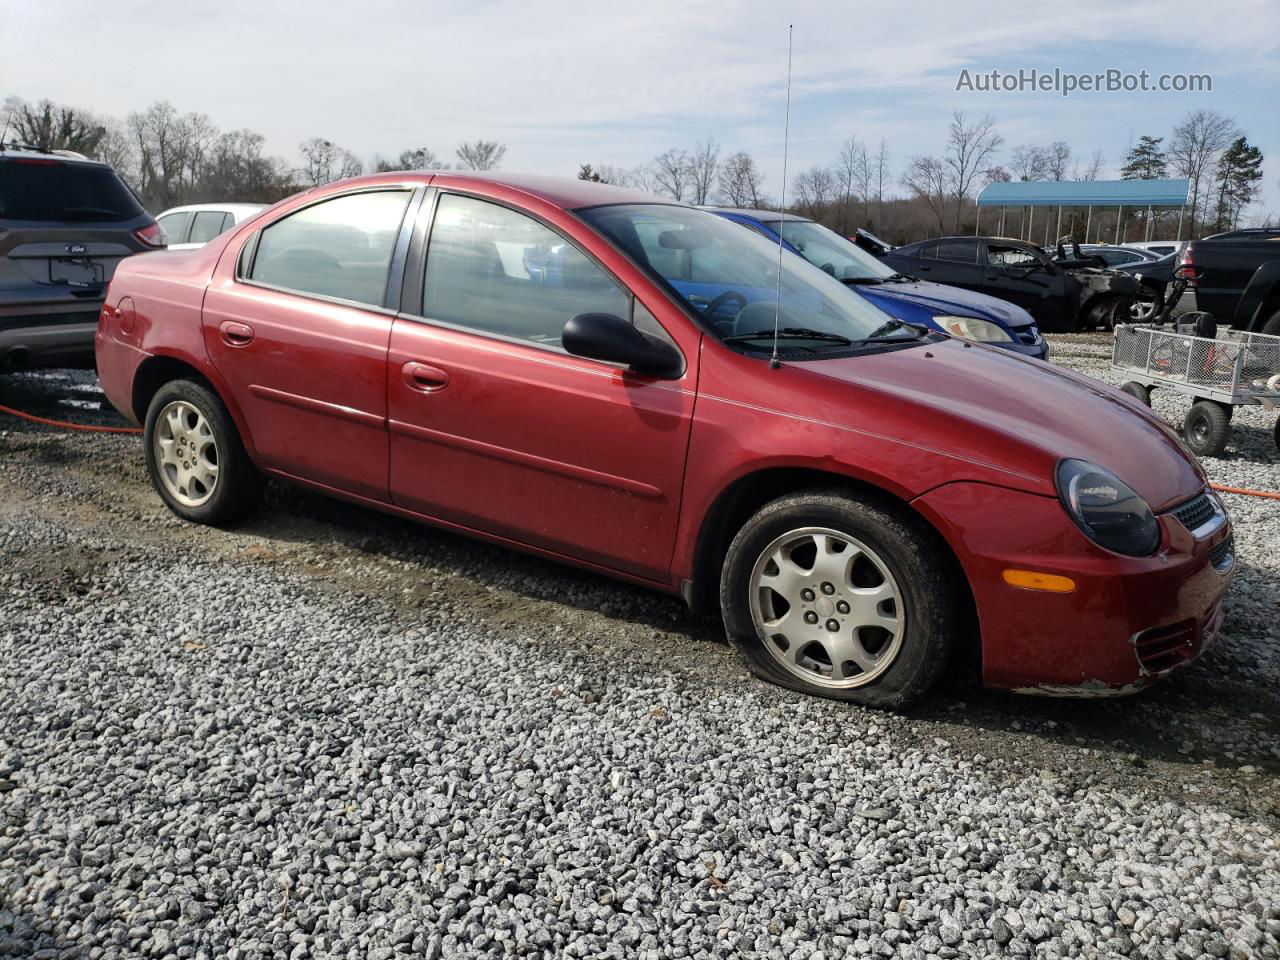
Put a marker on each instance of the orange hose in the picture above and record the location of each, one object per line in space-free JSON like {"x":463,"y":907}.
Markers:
{"x":1244,"y":492}
{"x":87,"y":428}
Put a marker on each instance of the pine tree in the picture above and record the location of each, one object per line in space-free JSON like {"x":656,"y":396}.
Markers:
{"x":1239,"y":172}
{"x":1146,"y":161}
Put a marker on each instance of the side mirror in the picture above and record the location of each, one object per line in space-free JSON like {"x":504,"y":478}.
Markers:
{"x":603,"y":336}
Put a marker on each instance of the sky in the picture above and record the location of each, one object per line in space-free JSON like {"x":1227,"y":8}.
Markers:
{"x":617,"y":83}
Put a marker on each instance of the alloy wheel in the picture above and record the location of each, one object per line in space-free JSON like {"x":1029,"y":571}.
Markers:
{"x":827,"y":607}
{"x":186,"y":453}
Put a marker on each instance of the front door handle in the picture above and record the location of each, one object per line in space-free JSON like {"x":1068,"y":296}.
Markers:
{"x":236,"y":334}
{"x":423,"y":377}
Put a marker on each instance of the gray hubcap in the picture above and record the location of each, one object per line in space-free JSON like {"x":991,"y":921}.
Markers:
{"x":186,"y":453}
{"x":827,"y":608}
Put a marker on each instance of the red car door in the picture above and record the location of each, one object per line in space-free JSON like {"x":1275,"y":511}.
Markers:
{"x":297,"y":327}
{"x":495,"y":427}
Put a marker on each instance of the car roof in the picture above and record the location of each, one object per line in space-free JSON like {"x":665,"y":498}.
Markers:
{"x":12,"y":151}
{"x":225,"y":207}
{"x":569,"y":193}
{"x":762,"y":215}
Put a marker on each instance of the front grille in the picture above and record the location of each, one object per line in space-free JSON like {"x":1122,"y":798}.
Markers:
{"x":1196,"y":512}
{"x":1223,"y":554}
{"x":1163,"y":648}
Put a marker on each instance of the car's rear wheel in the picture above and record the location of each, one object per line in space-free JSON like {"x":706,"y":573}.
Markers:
{"x":841,"y":598}
{"x":194,"y":455}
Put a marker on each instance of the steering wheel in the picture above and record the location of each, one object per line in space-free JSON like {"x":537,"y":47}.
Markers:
{"x":709,"y":311}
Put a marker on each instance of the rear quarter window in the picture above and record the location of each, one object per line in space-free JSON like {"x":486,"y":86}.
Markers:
{"x":43,"y":190}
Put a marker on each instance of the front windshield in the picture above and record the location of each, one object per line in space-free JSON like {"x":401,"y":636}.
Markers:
{"x":831,"y":252}
{"x":729,"y":276}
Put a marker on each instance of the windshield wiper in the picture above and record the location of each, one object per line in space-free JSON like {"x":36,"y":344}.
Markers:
{"x":879,"y":334}
{"x":787,"y":333}
{"x":852,"y":281}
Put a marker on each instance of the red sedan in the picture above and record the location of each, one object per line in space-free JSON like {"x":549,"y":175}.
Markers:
{"x":593,"y":375}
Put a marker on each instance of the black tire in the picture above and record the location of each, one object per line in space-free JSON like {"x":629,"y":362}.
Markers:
{"x":238,"y":486}
{"x":1275,"y":434}
{"x":1101,"y":316}
{"x":931,"y":597}
{"x":1207,"y":428}
{"x":1272,"y":326}
{"x":1139,"y":391}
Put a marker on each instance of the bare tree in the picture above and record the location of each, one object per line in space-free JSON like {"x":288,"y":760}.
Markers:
{"x":1028,"y":162}
{"x":51,"y":127}
{"x":1057,"y":156}
{"x":815,"y":191}
{"x":1092,"y":170}
{"x":644,"y":178}
{"x":1195,"y":147}
{"x":608,"y":173}
{"x":671,"y":173}
{"x":740,"y":180}
{"x":158,"y":137}
{"x":324,"y":161}
{"x":929,"y":179}
{"x":480,"y":155}
{"x":853,"y":175}
{"x":704,"y":165}
{"x":420,"y":158}
{"x":970,"y":147}
{"x":882,"y":174}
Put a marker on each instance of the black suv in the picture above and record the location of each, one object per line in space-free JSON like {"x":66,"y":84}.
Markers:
{"x":65,"y":223}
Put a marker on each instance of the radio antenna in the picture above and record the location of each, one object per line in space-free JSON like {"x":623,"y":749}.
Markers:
{"x":782,"y":206}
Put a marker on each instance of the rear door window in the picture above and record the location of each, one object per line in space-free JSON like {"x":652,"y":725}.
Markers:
{"x":958,"y":251}
{"x":47,"y":190}
{"x":175,"y":226}
{"x":336,"y":248}
{"x":207,"y":225}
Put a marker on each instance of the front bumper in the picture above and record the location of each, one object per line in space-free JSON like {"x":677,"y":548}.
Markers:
{"x":1129,"y":620}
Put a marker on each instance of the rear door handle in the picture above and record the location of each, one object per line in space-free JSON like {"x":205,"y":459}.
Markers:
{"x":423,"y":377}
{"x":236,"y":334}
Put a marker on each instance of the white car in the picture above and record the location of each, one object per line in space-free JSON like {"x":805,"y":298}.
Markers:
{"x":1161,"y":248}
{"x":192,"y":226}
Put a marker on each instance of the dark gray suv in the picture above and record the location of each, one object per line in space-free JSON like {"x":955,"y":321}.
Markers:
{"x":65,"y":223}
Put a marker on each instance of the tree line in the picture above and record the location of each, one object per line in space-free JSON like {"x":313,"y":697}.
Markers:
{"x":171,"y":158}
{"x":857,"y":189}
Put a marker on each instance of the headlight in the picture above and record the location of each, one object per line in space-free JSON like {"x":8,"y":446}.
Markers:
{"x":1106,"y":509}
{"x":971,"y":328}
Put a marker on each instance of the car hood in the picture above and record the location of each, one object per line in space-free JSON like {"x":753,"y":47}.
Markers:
{"x":942,"y":299}
{"x":987,"y":405}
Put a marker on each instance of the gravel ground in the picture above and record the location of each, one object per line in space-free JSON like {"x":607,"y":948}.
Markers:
{"x":330,"y":733}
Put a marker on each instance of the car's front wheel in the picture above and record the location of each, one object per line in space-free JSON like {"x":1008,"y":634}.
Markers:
{"x":194,"y":455}
{"x":841,"y":598}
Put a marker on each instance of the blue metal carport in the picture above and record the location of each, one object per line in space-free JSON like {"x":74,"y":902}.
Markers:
{"x":1085,"y":193}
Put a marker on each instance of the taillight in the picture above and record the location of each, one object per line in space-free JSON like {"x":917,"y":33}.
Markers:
{"x":1187,"y":268}
{"x":152,"y":235}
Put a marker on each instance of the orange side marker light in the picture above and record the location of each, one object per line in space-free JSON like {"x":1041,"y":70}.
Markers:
{"x":1031,"y":580}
